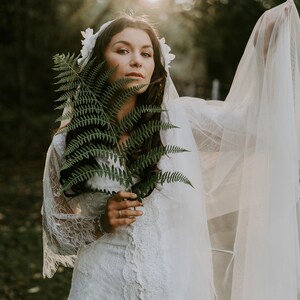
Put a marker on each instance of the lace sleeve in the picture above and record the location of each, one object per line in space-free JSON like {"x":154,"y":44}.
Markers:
{"x":67,"y":224}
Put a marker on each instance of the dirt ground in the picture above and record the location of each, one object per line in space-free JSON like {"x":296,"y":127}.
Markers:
{"x":21,"y":238}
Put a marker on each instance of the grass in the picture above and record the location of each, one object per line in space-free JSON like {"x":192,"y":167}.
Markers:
{"x":21,"y":237}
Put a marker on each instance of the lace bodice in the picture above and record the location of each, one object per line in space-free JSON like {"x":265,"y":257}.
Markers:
{"x":69,"y":228}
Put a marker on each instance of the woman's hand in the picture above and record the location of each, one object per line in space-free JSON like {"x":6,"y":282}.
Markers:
{"x":120,"y":211}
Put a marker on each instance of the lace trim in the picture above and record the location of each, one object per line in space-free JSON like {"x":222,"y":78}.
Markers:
{"x":143,"y":271}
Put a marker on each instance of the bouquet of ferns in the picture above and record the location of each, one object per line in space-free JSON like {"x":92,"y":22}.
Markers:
{"x":92,"y":106}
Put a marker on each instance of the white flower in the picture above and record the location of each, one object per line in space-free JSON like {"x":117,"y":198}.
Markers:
{"x":165,"y":50}
{"x":88,"y":44}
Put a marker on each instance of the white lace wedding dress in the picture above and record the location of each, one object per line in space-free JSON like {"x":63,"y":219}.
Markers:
{"x":234,"y":236}
{"x":141,"y":261}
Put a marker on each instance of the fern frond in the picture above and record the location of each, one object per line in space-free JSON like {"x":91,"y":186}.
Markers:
{"x":145,"y":131}
{"x":152,"y":156}
{"x":81,"y":111}
{"x":91,"y":120}
{"x":64,"y":97}
{"x":132,"y":117}
{"x":79,"y":79}
{"x":160,"y":178}
{"x":64,"y":76}
{"x":67,"y":66}
{"x":94,"y":106}
{"x":168,"y":177}
{"x":112,"y":90}
{"x":66,"y":103}
{"x":84,"y":173}
{"x":87,"y":151}
{"x":91,"y":69}
{"x":86,"y":137}
{"x":72,"y":85}
{"x":122,"y":98}
{"x":102,"y":80}
{"x":62,"y":62}
{"x":143,"y":189}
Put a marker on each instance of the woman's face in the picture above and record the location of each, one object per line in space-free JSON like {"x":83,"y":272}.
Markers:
{"x":132,"y":52}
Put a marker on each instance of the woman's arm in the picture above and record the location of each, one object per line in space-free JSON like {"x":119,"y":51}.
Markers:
{"x":67,"y":224}
{"x":72,"y":223}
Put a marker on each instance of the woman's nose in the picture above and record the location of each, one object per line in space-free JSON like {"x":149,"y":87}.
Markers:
{"x":135,"y":61}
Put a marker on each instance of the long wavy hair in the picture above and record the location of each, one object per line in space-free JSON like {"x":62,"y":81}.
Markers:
{"x":152,"y":96}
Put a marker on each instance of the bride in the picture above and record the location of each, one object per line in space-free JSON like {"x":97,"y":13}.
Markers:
{"x":234,"y":235}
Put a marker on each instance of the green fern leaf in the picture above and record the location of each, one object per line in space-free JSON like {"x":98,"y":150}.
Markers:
{"x":145,"y":131}
{"x":122,"y":98}
{"x":84,"y":122}
{"x":86,"y":137}
{"x":132,"y":117}
{"x":168,"y":177}
{"x":84,"y":173}
{"x":89,"y":151}
{"x":93,"y":107}
{"x":160,"y":178}
{"x":102,"y":80}
{"x":112,"y":90}
{"x":153,"y":156}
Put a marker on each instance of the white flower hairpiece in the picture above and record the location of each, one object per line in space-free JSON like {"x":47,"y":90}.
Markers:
{"x":88,"y":44}
{"x":165,"y":50}
{"x":89,"y":41}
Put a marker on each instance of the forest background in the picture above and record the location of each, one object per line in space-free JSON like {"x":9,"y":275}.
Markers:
{"x":208,"y":38}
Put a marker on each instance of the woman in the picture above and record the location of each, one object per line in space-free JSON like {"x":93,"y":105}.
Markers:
{"x":234,"y":235}
{"x":116,"y":261}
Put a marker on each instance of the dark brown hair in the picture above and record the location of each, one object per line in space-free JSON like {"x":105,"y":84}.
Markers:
{"x":152,"y":96}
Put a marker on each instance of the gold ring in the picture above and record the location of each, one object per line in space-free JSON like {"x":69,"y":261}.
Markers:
{"x":120,"y":214}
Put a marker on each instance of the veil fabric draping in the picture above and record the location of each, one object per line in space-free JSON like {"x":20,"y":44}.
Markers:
{"x":235,"y":235}
{"x":249,"y":149}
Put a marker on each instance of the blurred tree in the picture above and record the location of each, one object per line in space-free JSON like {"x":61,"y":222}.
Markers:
{"x":28,"y":35}
{"x":32,"y":32}
{"x":205,"y":35}
{"x":220,"y":30}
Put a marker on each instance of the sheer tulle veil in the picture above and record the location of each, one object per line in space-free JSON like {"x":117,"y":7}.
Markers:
{"x":249,"y":149}
{"x":235,"y":234}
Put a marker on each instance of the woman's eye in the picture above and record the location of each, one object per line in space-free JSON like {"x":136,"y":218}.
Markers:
{"x":122,"y":51}
{"x":146,"y":54}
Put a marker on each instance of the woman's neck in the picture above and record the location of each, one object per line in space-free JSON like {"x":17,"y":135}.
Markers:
{"x":126,"y":108}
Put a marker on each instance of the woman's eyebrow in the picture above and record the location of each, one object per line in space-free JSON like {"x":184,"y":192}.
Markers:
{"x":129,"y":44}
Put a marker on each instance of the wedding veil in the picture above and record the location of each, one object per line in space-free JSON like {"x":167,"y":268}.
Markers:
{"x":249,"y":149}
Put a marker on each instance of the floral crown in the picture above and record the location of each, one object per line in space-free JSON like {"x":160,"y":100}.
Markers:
{"x":89,"y":41}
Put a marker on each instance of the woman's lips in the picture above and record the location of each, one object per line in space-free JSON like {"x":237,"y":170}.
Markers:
{"x":134,"y":74}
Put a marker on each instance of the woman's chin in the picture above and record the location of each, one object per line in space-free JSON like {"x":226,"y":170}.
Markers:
{"x":133,"y":84}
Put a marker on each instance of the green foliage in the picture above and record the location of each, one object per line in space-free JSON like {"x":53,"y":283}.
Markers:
{"x":92,"y":106}
{"x":161,"y":178}
{"x":153,"y":156}
{"x":220,"y":30}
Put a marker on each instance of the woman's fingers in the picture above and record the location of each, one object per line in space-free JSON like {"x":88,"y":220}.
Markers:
{"x":120,"y":196}
{"x":128,"y":213}
{"x":126,"y":204}
{"x":121,"y":211}
{"x":114,"y":219}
